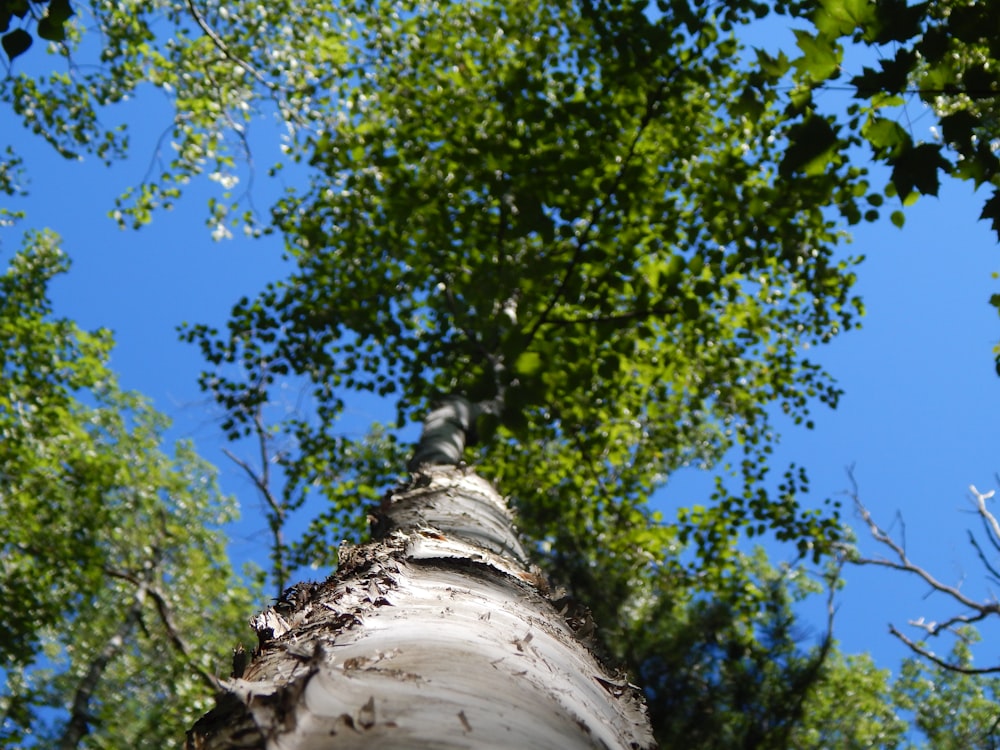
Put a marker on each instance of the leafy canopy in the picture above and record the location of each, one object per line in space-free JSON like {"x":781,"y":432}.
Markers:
{"x":568,"y":206}
{"x":111,"y":548}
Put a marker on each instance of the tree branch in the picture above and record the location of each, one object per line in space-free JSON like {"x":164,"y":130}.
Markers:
{"x":994,"y":574}
{"x":277,"y":513}
{"x":224,"y":49}
{"x":978,"y":610}
{"x":615,"y":317}
{"x":906,"y":565}
{"x":652,"y":102}
{"x":944,"y":663}
{"x":165,"y":613}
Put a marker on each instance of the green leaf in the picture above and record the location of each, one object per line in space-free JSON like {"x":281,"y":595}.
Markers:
{"x":528,"y":363}
{"x":820,"y":58}
{"x":16,"y":43}
{"x":959,"y":129}
{"x":917,"y":169}
{"x":887,"y":137}
{"x":811,"y":146}
{"x":52,"y":26}
{"x":897,"y":21}
{"x":991,"y":212}
{"x":773,"y":67}
{"x":891,"y":79}
{"x":51,"y":30}
{"x":842,"y":17}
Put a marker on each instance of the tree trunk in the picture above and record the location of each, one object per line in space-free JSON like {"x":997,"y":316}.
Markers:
{"x":437,"y":634}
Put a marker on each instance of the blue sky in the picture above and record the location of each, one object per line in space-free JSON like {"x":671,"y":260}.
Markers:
{"x":916,"y":420}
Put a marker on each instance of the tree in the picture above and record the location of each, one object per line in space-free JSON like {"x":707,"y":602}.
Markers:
{"x":953,"y":707}
{"x":561,"y":245}
{"x":438,"y":632}
{"x":607,"y":218}
{"x":110,"y":548}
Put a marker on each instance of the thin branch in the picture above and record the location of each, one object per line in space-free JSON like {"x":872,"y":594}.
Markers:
{"x":224,"y":49}
{"x":262,"y":481}
{"x":615,"y":317}
{"x":988,"y":517}
{"x":994,"y":542}
{"x":165,"y":613}
{"x":652,"y":102}
{"x":258,"y":482}
{"x":864,"y":91}
{"x":982,"y":558}
{"x":906,"y":565}
{"x":930,"y":655}
{"x":978,"y":610}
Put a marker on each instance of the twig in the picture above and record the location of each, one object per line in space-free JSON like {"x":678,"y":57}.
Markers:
{"x":652,"y":102}
{"x":979,"y":610}
{"x":906,"y":565}
{"x":262,"y":481}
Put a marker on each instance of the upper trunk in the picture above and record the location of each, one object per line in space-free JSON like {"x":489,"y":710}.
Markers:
{"x":437,"y":634}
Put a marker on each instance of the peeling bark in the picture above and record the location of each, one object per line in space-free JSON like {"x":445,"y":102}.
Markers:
{"x":438,"y":634}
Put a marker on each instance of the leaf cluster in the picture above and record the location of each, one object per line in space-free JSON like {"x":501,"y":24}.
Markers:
{"x":47,"y":16}
{"x":942,"y":53}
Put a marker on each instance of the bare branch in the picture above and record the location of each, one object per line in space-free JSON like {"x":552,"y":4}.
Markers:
{"x":277,"y":512}
{"x":977,"y":610}
{"x":660,"y":311}
{"x":944,"y":663}
{"x":994,"y":574}
{"x":905,"y":564}
{"x":988,"y":517}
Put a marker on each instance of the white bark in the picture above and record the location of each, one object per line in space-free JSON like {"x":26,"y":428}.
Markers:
{"x":437,"y":635}
{"x":446,"y":427}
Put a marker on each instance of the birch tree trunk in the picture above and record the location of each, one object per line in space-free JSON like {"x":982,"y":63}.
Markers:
{"x":437,"y":634}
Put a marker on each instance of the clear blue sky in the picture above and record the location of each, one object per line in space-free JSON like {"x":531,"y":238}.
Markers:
{"x":916,"y":419}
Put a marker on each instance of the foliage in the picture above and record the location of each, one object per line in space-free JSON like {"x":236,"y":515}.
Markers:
{"x":609,"y":217}
{"x":543,"y":219}
{"x":943,"y":55}
{"x":49,"y":17}
{"x":112,"y":567}
{"x":951,"y":709}
{"x":851,"y":707}
{"x":722,"y":665}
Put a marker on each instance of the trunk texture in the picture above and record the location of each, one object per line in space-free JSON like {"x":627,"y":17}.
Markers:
{"x":438,"y":634}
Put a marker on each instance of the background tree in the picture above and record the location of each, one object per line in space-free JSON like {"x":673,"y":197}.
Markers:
{"x":119,"y":591}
